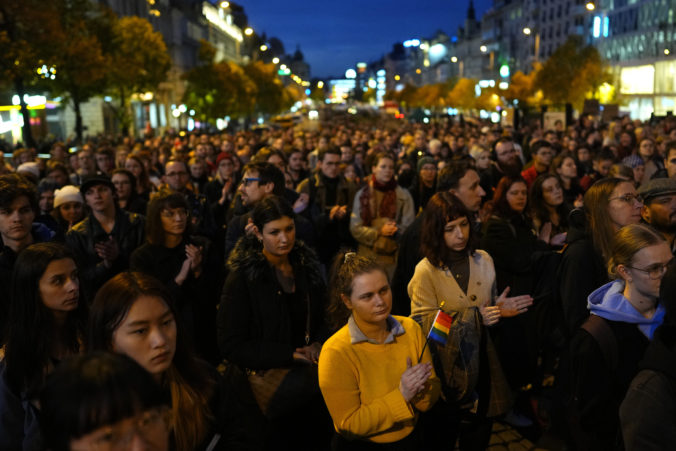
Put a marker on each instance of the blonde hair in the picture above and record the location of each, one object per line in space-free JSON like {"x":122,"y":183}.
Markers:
{"x":599,"y":223}
{"x":627,"y":242}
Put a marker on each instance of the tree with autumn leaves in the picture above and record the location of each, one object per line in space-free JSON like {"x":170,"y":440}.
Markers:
{"x":89,"y":50}
{"x":572,"y":74}
{"x":216,"y":89}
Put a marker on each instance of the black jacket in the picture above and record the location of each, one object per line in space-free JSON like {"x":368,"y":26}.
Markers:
{"x":128,"y":232}
{"x":597,"y":389}
{"x":254,"y":319}
{"x":582,"y":270}
{"x":648,"y":413}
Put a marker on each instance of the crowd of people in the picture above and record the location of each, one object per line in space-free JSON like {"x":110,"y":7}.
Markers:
{"x":277,"y":289}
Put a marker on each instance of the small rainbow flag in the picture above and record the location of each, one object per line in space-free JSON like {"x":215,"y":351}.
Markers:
{"x":440,"y":328}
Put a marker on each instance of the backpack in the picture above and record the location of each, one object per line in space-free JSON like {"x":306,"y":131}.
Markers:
{"x":600,"y":330}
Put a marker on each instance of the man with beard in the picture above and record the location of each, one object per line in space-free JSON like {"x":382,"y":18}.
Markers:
{"x":507,"y":162}
{"x":659,"y":206}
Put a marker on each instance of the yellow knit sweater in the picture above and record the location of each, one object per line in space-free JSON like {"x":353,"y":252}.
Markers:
{"x":360,"y":384}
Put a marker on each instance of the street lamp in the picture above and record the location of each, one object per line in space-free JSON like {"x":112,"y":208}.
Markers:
{"x":483,"y":49}
{"x":275,"y":60}
{"x":263,"y":47}
{"x":528,"y":31}
{"x":590,"y":6}
{"x":454,"y":59}
{"x":248,"y":31}
{"x":225,"y":5}
{"x":666,"y":51}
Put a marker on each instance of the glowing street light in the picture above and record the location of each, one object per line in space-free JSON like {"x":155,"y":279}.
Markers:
{"x":527,"y":31}
{"x":263,"y":47}
{"x":248,"y":31}
{"x":454,"y":59}
{"x":225,"y":5}
{"x":483,"y":49}
{"x":283,"y":67}
{"x":590,"y":6}
{"x":275,"y":60}
{"x":320,"y":84}
{"x":666,"y":51}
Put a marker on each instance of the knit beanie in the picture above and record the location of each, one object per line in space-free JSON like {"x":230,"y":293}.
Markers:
{"x":68,"y":193}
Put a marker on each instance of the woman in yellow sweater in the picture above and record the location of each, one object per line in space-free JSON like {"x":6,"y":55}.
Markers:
{"x":369,"y":373}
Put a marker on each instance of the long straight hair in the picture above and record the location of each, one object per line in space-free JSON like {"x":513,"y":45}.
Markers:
{"x":32,"y":328}
{"x":598,"y":220}
{"x":187,"y":378}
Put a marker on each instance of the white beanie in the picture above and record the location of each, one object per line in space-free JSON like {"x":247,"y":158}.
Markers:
{"x":31,"y":167}
{"x":68,"y":193}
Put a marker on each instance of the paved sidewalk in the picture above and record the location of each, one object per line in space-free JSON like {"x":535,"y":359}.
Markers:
{"x":506,"y":438}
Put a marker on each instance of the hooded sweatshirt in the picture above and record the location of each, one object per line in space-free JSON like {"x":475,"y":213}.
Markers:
{"x":608,"y":302}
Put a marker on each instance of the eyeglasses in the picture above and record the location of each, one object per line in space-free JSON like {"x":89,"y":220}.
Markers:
{"x":629,"y":198}
{"x":248,"y":180}
{"x":149,"y":424}
{"x":655,"y":271}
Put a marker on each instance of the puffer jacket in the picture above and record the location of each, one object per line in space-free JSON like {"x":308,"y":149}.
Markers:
{"x":254,"y":319}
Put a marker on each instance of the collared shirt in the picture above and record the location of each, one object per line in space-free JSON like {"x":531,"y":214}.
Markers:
{"x":357,"y":336}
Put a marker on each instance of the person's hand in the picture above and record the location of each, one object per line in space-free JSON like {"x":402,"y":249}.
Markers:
{"x":513,"y":306}
{"x":388,"y":229}
{"x":183,"y":273}
{"x":225,"y":192}
{"x":250,"y":228}
{"x":490,"y":314}
{"x":108,"y":251}
{"x":559,"y":239}
{"x":413,"y":380}
{"x":342,"y":211}
{"x":311,"y":352}
{"x":301,"y":203}
{"x":579,"y":201}
{"x":195,"y":255}
{"x":301,"y":357}
{"x":545,"y":232}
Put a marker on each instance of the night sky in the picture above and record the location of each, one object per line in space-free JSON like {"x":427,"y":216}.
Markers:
{"x":335,"y":35}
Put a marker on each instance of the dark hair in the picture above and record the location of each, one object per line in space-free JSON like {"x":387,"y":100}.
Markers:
{"x":268,"y":173}
{"x":129,"y":175}
{"x":537,"y":201}
{"x":271,"y":208}
{"x":669,"y":146}
{"x":380,"y":155}
{"x":31,"y":324}
{"x":499,"y":205}
{"x":190,"y":384}
{"x":144,"y":179}
{"x":540,"y":144}
{"x":13,"y":186}
{"x":441,"y":209}
{"x":333,"y":150}
{"x":345,"y":267}
{"x":450,"y":175}
{"x":47,"y":185}
{"x":604,"y":154}
{"x":163,"y":200}
{"x":88,"y":392}
{"x":558,"y":160}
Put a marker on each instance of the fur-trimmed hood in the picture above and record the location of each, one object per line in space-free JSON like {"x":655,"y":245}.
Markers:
{"x":247,"y":257}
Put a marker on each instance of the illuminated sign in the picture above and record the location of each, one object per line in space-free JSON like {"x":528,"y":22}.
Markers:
{"x":213,"y":16}
{"x":638,"y":80}
{"x":504,"y":71}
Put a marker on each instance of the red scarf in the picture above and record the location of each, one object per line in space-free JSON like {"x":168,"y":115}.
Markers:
{"x":388,"y":206}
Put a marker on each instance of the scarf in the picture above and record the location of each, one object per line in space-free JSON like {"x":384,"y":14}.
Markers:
{"x":388,"y":206}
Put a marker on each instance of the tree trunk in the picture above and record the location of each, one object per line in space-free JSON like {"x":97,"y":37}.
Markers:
{"x":123,"y":115}
{"x":26,"y":131}
{"x":78,"y":121}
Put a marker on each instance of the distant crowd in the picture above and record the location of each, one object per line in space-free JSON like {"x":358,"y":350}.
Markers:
{"x":276,"y":289}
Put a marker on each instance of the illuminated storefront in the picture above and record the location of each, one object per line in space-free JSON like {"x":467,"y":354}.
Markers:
{"x":649,"y":88}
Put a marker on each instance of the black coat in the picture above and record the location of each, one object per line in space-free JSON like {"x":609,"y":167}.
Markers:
{"x":128,"y":232}
{"x":648,"y":412}
{"x":254,"y":320}
{"x":597,"y":389}
{"x":582,"y":270}
{"x":512,"y":244}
